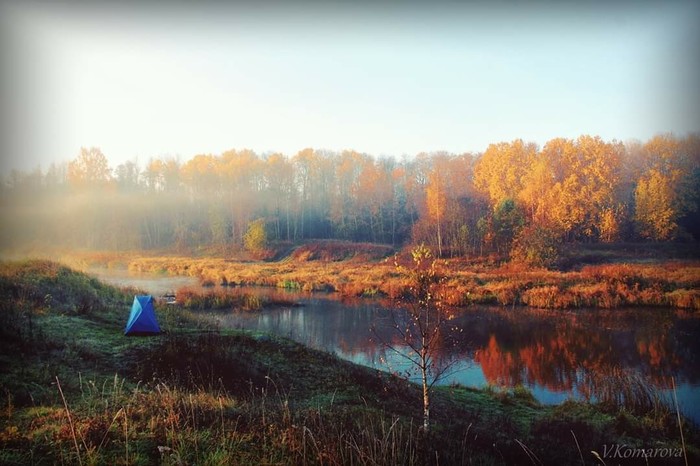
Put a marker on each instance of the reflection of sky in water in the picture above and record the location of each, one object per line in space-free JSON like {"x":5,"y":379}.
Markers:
{"x":153,"y":284}
{"x":549,"y":397}
{"x":553,"y":353}
{"x":688,"y":400}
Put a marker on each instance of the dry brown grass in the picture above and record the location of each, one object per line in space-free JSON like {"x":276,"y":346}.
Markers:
{"x":330,"y":266}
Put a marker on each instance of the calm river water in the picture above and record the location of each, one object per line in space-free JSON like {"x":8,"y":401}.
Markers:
{"x":583,"y":354}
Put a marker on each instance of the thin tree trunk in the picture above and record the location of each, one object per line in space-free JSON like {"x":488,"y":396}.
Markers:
{"x":426,"y":398}
{"x":424,"y":373}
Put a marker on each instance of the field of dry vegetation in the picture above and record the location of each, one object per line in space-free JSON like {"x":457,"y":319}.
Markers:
{"x":356,"y":270}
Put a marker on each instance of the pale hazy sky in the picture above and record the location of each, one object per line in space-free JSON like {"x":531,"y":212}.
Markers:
{"x":390,"y":78}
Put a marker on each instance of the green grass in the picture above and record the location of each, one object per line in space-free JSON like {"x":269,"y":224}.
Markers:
{"x":74,"y":390}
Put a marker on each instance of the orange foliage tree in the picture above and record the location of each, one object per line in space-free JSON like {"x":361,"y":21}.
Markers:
{"x":89,"y":169}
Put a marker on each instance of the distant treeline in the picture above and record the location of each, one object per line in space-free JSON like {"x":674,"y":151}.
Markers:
{"x":513,"y":198}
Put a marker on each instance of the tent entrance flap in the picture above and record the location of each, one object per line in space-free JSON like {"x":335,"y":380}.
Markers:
{"x":142,"y":320}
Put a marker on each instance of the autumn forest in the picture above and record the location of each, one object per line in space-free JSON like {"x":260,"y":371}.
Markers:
{"x":515,"y":199}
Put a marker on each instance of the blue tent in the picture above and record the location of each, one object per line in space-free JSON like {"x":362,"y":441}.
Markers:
{"x":142,"y":320}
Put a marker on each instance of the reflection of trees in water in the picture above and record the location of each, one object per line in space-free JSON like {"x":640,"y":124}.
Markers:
{"x":558,"y":350}
{"x":393,"y":351}
{"x":576,"y":350}
{"x":551,"y":362}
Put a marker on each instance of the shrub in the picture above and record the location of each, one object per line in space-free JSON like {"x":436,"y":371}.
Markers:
{"x":505,"y":292}
{"x":688,"y":299}
{"x":255,"y":239}
{"x":541,"y":296}
{"x":535,"y":246}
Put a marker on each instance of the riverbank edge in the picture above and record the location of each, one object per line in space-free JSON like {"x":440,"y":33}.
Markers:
{"x":76,"y":389}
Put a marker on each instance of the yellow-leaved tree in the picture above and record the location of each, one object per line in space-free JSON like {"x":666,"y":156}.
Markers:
{"x":574,"y":187}
{"x":500,"y":172}
{"x":255,"y":238}
{"x":655,"y":211}
{"x":89,"y":169}
{"x":435,"y":200}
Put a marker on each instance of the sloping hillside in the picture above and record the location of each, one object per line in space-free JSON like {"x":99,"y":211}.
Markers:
{"x":340,"y":251}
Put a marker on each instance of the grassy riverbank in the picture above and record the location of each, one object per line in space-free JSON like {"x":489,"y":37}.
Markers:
{"x":75,"y":390}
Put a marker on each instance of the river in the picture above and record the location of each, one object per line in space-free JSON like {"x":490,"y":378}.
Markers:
{"x":557,"y":355}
